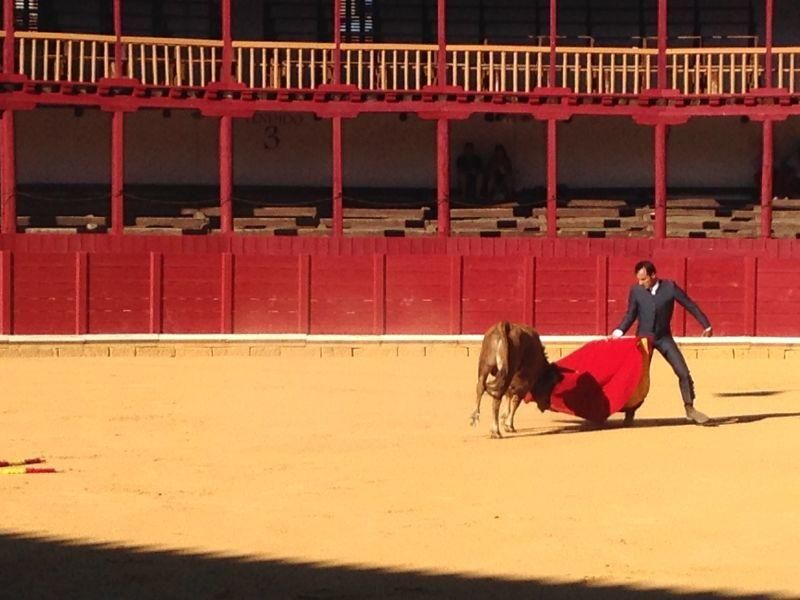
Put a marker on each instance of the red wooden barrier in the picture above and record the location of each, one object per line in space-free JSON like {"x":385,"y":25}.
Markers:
{"x":121,"y":284}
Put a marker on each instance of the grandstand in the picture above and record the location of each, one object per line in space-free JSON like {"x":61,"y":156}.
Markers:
{"x":292,"y":165}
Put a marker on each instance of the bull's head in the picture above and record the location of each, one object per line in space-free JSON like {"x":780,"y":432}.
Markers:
{"x":543,"y":389}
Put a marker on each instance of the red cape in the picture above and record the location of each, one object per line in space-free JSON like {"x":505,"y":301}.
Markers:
{"x":603,"y":377}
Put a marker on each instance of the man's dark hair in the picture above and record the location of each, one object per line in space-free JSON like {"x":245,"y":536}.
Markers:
{"x":647,"y":265}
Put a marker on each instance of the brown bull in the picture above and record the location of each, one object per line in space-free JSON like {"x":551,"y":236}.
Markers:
{"x":513,"y":354}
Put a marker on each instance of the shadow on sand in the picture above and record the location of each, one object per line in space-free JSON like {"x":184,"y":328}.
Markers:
{"x":750,"y":394}
{"x":38,"y":568}
{"x":573,"y":426}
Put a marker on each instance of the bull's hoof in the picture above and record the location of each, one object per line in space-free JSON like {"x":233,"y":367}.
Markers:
{"x":473,"y":420}
{"x":509,"y":428}
{"x":496,"y":435}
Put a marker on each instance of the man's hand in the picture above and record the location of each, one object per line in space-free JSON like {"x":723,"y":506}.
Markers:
{"x":707,"y":332}
{"x":616,"y":333}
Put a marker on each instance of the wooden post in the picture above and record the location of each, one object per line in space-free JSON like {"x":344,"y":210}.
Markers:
{"x":660,"y":226}
{"x":117,"y":172}
{"x":662,"y":44}
{"x":767,"y":159}
{"x":552,"y":178}
{"x":441,"y":36}
{"x":338,"y":209}
{"x":118,"y":40}
{"x":337,"y":42}
{"x":8,"y":43}
{"x":443,"y":177}
{"x":226,"y":173}
{"x":227,"y":43}
{"x":768,"y":29}
{"x":8,"y":185}
{"x":551,"y":70}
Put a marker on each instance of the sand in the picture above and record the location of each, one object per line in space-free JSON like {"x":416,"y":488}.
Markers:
{"x":359,"y":477}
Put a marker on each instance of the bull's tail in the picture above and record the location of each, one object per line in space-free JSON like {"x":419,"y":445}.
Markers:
{"x":497,"y":363}
{"x":498,"y":386}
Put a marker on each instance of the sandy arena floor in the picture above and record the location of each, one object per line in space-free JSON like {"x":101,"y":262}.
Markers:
{"x":293,"y":477}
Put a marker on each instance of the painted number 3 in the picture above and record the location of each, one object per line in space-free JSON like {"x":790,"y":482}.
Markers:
{"x":271,"y":139}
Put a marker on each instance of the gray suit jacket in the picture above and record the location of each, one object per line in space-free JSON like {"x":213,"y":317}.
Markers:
{"x":654,"y":312}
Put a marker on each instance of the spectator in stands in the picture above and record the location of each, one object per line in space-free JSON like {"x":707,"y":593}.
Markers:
{"x":469,"y":167}
{"x":499,"y":176}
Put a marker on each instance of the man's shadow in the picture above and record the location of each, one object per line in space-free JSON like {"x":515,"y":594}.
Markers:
{"x":573,"y":425}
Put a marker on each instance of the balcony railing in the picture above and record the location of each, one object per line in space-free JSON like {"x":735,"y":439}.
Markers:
{"x":715,"y":71}
{"x":61,"y":57}
{"x":283,"y":65}
{"x":173,"y":62}
{"x":389,"y":66}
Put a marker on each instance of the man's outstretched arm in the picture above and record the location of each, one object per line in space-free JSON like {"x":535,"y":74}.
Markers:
{"x":690,"y":305}
{"x":630,"y":315}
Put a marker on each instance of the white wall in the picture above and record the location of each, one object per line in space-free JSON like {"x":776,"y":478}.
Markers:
{"x":55,"y":146}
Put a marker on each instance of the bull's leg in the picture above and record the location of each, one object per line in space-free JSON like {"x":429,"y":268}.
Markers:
{"x":496,"y":401}
{"x":479,"y":389}
{"x":513,"y":404}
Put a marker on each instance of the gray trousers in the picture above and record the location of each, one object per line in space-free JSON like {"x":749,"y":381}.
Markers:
{"x":669,"y":350}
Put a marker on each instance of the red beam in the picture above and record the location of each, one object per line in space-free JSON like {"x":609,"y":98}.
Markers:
{"x":767,"y":158}
{"x":8,"y":43}
{"x":768,"y":29}
{"x":81,"y":292}
{"x":226,"y":173}
{"x":117,"y":172}
{"x":660,"y":226}
{"x":750,"y":295}
{"x":8,"y":185}
{"x":379,"y":294}
{"x":6,"y":292}
{"x":662,"y":44}
{"x":456,"y":293}
{"x":337,"y":42}
{"x":118,"y":35}
{"x":156,"y":289}
{"x":552,"y":177}
{"x":441,"y":35}
{"x":338,"y":213}
{"x":303,"y":293}
{"x":551,"y":70}
{"x":227,"y":43}
{"x":226,"y":304}
{"x":601,"y":296}
{"x":443,"y":177}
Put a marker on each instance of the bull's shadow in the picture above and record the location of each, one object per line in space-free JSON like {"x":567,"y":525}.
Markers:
{"x":38,"y":568}
{"x":573,"y":425}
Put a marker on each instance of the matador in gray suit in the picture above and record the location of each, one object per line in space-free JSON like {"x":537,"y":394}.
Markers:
{"x":652,"y":301}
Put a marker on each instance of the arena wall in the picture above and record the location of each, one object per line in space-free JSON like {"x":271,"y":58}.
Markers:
{"x":88,"y":284}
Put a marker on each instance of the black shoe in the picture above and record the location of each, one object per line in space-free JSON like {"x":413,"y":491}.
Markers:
{"x":695,"y":415}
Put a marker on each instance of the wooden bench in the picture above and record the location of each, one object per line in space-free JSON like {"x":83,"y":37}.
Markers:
{"x":456,"y":214}
{"x":153,"y":230}
{"x":596,"y":203}
{"x":386,"y":213}
{"x":285,"y":211}
{"x":85,"y":223}
{"x":179,"y":223}
{"x":65,"y":230}
{"x":265,"y":223}
{"x":202,"y":212}
{"x":692,"y":203}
